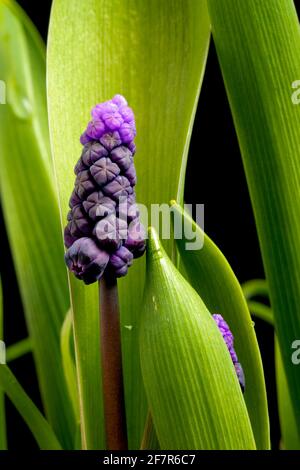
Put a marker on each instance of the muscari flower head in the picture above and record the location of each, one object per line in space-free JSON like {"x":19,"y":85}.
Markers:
{"x":104,"y":233}
{"x":229,"y":340}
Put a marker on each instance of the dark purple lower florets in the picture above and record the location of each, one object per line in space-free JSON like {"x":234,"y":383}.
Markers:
{"x":103,"y":228}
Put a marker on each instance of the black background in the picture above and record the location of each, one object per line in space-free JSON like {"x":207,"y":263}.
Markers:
{"x":214,"y":177}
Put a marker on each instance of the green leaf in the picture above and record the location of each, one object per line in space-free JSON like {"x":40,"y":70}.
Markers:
{"x":3,"y":440}
{"x":194,"y":395}
{"x":212,"y":277}
{"x":69,"y":363}
{"x":36,"y":422}
{"x":154,"y":53}
{"x":31,"y":209}
{"x":258,"y":47}
{"x":289,"y":430}
{"x":18,"y":349}
{"x":255,"y":287}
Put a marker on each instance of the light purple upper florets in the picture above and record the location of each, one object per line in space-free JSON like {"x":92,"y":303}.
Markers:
{"x":104,"y":233}
{"x":229,"y":340}
{"x":112,"y":117}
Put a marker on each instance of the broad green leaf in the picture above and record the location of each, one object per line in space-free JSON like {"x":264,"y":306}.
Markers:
{"x":212,"y":277}
{"x":31,"y":208}
{"x":154,"y":53}
{"x":258,"y":47}
{"x":3,"y":441}
{"x":191,"y":384}
{"x":36,"y":422}
{"x":18,"y":349}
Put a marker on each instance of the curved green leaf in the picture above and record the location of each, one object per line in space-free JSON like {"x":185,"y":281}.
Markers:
{"x":258,"y":47}
{"x":154,"y":53}
{"x":211,"y":275}
{"x":3,"y":440}
{"x":31,"y":209}
{"x":19,"y":349}
{"x":36,"y":422}
{"x":193,"y":392}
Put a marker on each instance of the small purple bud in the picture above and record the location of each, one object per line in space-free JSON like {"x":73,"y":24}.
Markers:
{"x":117,"y":188}
{"x":104,"y":171}
{"x":84,"y":138}
{"x":68,"y":238}
{"x":80,"y":166}
{"x":86,"y":260}
{"x":119,"y":262}
{"x":98,"y":206}
{"x":78,"y":222}
{"x":84,"y":185}
{"x":92,"y":152}
{"x":95,"y":129}
{"x":122,"y":157}
{"x":110,"y":140}
{"x":110,"y":231}
{"x":119,"y":100}
{"x":126,"y":113}
{"x":136,"y":238}
{"x":229,"y":340}
{"x":113,"y":120}
{"x":240,"y":374}
{"x":74,"y":200}
{"x":130,"y":174}
{"x":127,"y":210}
{"x":132,"y":147}
{"x":127,"y":132}
{"x":100,"y":109}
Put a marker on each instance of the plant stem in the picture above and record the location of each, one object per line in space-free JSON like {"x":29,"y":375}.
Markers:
{"x":113,"y":392}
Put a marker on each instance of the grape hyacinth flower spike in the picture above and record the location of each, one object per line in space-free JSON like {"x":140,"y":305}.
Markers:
{"x":229,"y":340}
{"x":103,"y":233}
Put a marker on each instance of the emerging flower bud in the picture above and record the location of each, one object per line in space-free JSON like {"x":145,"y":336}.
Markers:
{"x":86,"y":260}
{"x":229,"y":340}
{"x":103,"y":200}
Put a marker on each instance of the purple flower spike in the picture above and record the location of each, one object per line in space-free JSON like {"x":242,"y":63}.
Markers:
{"x":103,"y":200}
{"x":229,"y":340}
{"x":86,"y":260}
{"x":119,"y":262}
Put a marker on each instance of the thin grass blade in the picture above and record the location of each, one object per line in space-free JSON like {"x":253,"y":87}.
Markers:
{"x":36,"y":422}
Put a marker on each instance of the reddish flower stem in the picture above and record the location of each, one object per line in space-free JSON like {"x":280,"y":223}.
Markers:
{"x":113,"y":390}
